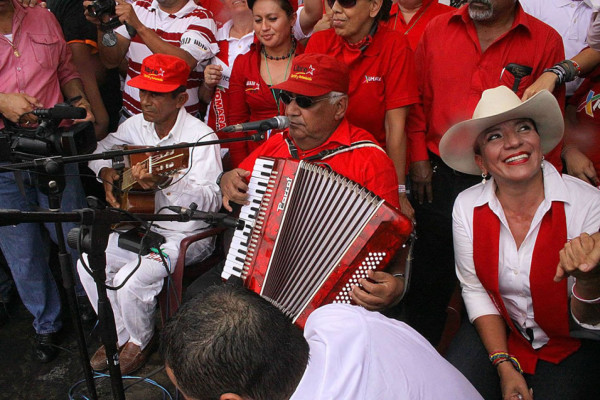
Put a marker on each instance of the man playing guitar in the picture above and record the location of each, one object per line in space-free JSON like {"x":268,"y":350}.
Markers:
{"x":164,"y":121}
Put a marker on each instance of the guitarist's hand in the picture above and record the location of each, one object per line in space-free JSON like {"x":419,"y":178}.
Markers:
{"x":108,"y":176}
{"x":145,"y":179}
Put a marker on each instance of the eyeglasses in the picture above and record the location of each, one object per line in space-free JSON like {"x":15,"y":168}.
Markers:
{"x":343,"y":3}
{"x":302,"y":101}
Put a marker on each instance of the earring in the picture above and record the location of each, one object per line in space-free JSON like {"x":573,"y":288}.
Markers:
{"x":542,"y":165}
{"x":484,"y":176}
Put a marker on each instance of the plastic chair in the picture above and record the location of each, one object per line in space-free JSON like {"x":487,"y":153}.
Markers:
{"x":170,"y":296}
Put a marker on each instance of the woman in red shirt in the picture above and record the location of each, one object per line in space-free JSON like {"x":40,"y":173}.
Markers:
{"x":266,"y":64}
{"x":382,"y":74}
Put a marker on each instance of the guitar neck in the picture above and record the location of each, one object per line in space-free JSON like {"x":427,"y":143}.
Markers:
{"x":161,"y":164}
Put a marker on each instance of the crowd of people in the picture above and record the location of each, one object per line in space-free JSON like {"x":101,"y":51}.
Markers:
{"x":475,"y":119}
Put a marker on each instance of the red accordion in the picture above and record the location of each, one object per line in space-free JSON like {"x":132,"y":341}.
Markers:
{"x":310,"y":235}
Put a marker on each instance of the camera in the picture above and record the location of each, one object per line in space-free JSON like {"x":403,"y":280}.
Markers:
{"x":99,"y":8}
{"x":48,"y":139}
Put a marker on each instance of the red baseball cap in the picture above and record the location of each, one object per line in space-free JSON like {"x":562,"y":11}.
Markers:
{"x":161,"y":73}
{"x":315,"y":75}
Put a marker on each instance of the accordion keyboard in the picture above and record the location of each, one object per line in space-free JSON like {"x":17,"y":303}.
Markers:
{"x":257,"y":188}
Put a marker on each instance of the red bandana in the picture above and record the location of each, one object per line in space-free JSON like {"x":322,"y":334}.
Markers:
{"x":550,"y":300}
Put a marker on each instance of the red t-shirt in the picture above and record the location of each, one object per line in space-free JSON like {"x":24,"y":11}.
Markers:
{"x":382,"y":77}
{"x":367,"y":166}
{"x":415,"y":28}
{"x":250,"y":98}
{"x":586,"y":133}
{"x":453,"y":73}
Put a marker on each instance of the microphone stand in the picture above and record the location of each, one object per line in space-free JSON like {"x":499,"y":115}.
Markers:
{"x":51,"y":182}
{"x":92,"y":238}
{"x":116,"y":154}
{"x":94,"y":231}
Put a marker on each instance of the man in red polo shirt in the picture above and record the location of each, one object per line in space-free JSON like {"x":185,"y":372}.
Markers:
{"x":316,"y":100}
{"x":462,"y":53}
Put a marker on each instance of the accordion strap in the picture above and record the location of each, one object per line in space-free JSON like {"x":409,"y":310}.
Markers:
{"x":325,"y":154}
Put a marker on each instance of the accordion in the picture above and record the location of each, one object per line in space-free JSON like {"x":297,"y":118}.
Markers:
{"x":310,"y":235}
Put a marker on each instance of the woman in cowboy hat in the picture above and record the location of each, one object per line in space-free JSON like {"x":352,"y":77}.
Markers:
{"x":508,"y":232}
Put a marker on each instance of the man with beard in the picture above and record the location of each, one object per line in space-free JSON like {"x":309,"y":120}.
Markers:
{"x":461,"y":54}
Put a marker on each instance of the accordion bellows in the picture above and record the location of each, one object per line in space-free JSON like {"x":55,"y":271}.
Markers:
{"x":310,"y":235}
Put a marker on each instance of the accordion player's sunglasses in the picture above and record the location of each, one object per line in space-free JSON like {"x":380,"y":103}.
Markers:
{"x":343,"y":3}
{"x":302,"y":101}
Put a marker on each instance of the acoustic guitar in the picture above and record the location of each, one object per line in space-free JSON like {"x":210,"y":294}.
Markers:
{"x":129,"y":193}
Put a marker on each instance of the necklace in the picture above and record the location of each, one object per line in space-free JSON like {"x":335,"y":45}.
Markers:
{"x":15,"y":50}
{"x":288,"y":55}
{"x":414,"y":23}
{"x":271,"y":79}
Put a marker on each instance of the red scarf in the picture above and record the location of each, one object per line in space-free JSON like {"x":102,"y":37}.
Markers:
{"x":550,"y":300}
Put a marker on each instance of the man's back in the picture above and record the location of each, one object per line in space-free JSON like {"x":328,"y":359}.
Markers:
{"x":357,"y":354}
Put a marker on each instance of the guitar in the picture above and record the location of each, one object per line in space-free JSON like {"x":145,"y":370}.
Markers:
{"x":129,"y":193}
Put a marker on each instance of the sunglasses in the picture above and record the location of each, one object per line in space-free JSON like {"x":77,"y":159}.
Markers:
{"x":343,"y":3}
{"x":302,"y":101}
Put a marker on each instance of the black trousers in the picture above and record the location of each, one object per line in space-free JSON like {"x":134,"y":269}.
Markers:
{"x":433,"y":275}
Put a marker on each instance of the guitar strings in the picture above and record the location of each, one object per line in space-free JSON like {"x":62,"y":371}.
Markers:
{"x":127,"y":176}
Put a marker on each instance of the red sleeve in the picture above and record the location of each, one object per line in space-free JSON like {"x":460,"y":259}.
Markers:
{"x":317,"y":44}
{"x":238,"y":110}
{"x":400,"y":86}
{"x":416,"y":124}
{"x":380,"y":177}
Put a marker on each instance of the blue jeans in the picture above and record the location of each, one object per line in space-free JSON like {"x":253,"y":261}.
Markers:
{"x":575,"y":378}
{"x":26,"y":252}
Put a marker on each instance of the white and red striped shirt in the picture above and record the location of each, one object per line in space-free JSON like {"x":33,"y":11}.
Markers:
{"x":191,"y":28}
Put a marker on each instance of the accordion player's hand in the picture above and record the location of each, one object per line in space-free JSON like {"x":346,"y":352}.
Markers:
{"x":233,"y":187}
{"x":378,"y":292}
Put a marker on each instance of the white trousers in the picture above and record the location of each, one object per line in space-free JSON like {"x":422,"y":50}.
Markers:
{"x":134,"y":304}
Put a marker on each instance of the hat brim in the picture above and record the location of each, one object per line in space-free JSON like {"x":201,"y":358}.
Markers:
{"x":305,"y":89}
{"x":457,"y":144}
{"x":146,"y":84}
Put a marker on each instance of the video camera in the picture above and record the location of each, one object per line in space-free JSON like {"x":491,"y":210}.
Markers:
{"x":47,"y":139}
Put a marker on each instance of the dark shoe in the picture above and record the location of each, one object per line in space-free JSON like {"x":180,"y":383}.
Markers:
{"x":45,"y":347}
{"x":86,"y":311}
{"x":133,"y":357}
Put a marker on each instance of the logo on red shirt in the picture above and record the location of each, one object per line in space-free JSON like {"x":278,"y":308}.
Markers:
{"x":252,"y":86}
{"x":372,"y":79}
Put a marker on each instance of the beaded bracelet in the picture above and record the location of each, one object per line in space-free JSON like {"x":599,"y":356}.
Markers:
{"x":586,"y":301}
{"x":401,"y":188}
{"x":499,"y":357}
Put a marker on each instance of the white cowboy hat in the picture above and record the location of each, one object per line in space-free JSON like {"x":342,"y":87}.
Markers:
{"x":498,"y":105}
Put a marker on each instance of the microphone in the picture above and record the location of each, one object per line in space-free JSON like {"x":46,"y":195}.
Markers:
{"x":279,"y":122}
{"x":60,"y":112}
{"x":212,"y":218}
